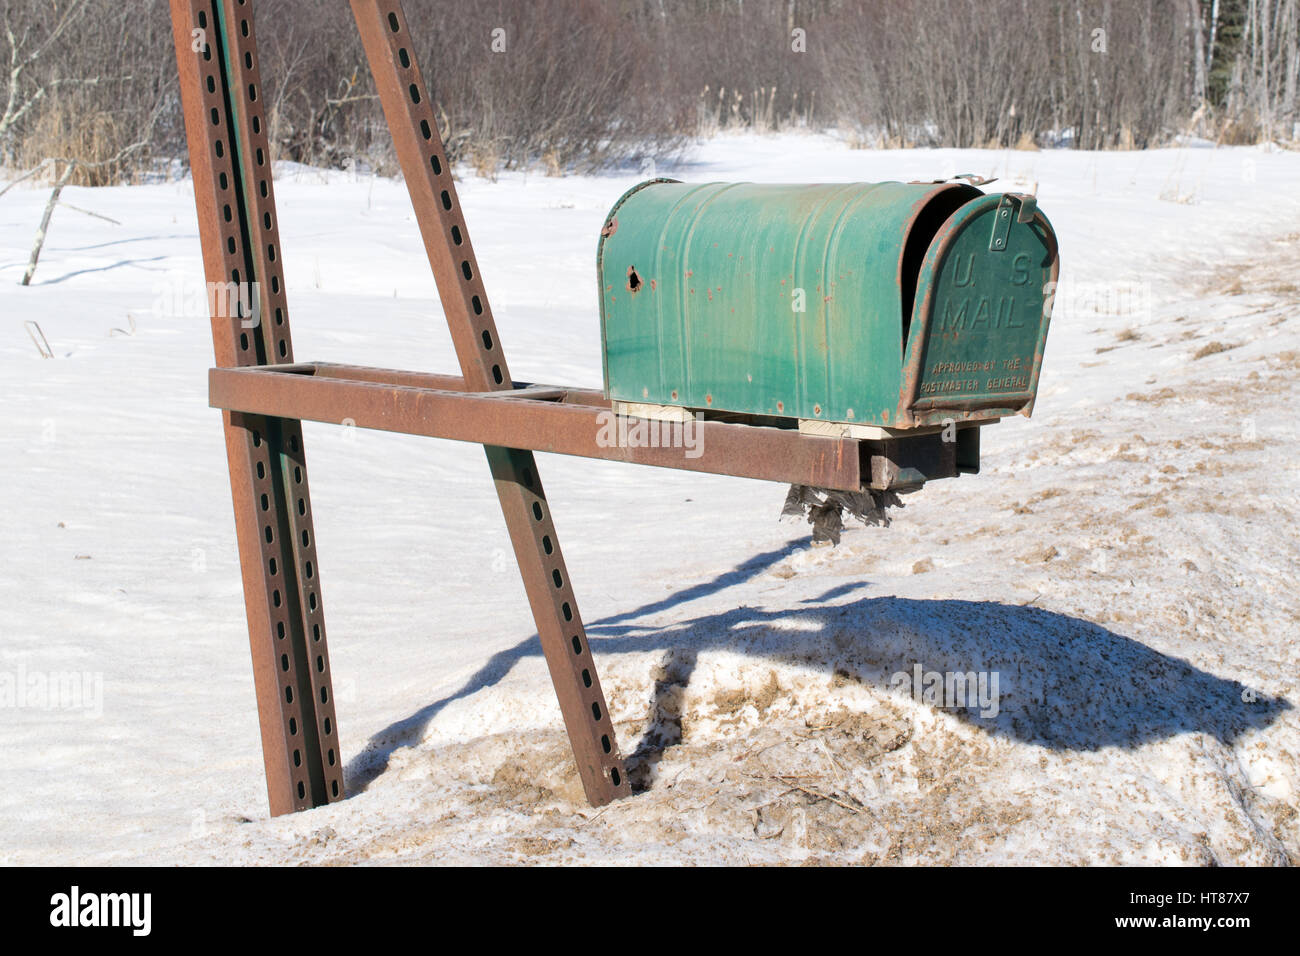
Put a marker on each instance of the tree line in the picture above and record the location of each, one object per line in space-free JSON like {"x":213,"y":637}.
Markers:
{"x":576,"y":85}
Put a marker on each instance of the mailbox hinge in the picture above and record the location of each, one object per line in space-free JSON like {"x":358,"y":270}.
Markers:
{"x":1024,"y":206}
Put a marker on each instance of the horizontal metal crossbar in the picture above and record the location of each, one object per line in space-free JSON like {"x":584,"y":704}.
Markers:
{"x":554,"y":419}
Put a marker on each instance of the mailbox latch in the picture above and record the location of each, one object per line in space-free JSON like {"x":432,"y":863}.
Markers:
{"x":1012,"y":205}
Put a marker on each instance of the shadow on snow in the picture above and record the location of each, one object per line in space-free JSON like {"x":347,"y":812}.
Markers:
{"x":1064,"y":683}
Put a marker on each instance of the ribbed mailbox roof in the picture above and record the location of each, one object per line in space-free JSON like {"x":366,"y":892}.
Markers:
{"x":785,"y":300}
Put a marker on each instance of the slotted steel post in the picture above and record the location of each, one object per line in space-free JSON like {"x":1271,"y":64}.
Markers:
{"x":221,"y":92}
{"x":409,"y":112}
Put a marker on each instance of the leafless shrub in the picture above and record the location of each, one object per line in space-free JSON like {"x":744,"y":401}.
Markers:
{"x":96,"y":77}
{"x":571,"y":79}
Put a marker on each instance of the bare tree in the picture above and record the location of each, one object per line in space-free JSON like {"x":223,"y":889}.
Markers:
{"x":27,"y":45}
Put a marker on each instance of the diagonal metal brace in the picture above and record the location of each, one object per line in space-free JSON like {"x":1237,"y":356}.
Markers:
{"x":408,"y":110}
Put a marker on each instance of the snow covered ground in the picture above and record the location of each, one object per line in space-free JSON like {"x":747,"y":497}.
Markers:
{"x":1126,"y":563}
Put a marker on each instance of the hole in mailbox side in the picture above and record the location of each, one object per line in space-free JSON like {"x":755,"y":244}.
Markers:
{"x":932,"y":212}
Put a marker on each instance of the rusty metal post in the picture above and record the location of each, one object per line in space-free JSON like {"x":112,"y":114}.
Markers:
{"x":216,"y":55}
{"x":409,"y":112}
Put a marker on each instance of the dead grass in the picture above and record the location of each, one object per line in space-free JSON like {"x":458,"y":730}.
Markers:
{"x":1162,"y":395}
{"x":66,"y":131}
{"x":1026,"y":143}
{"x":1214,"y":348}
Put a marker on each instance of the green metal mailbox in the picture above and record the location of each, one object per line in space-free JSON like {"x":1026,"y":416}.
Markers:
{"x":869,"y":310}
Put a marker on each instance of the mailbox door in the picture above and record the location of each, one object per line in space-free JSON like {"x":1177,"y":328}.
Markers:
{"x":983,"y":303}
